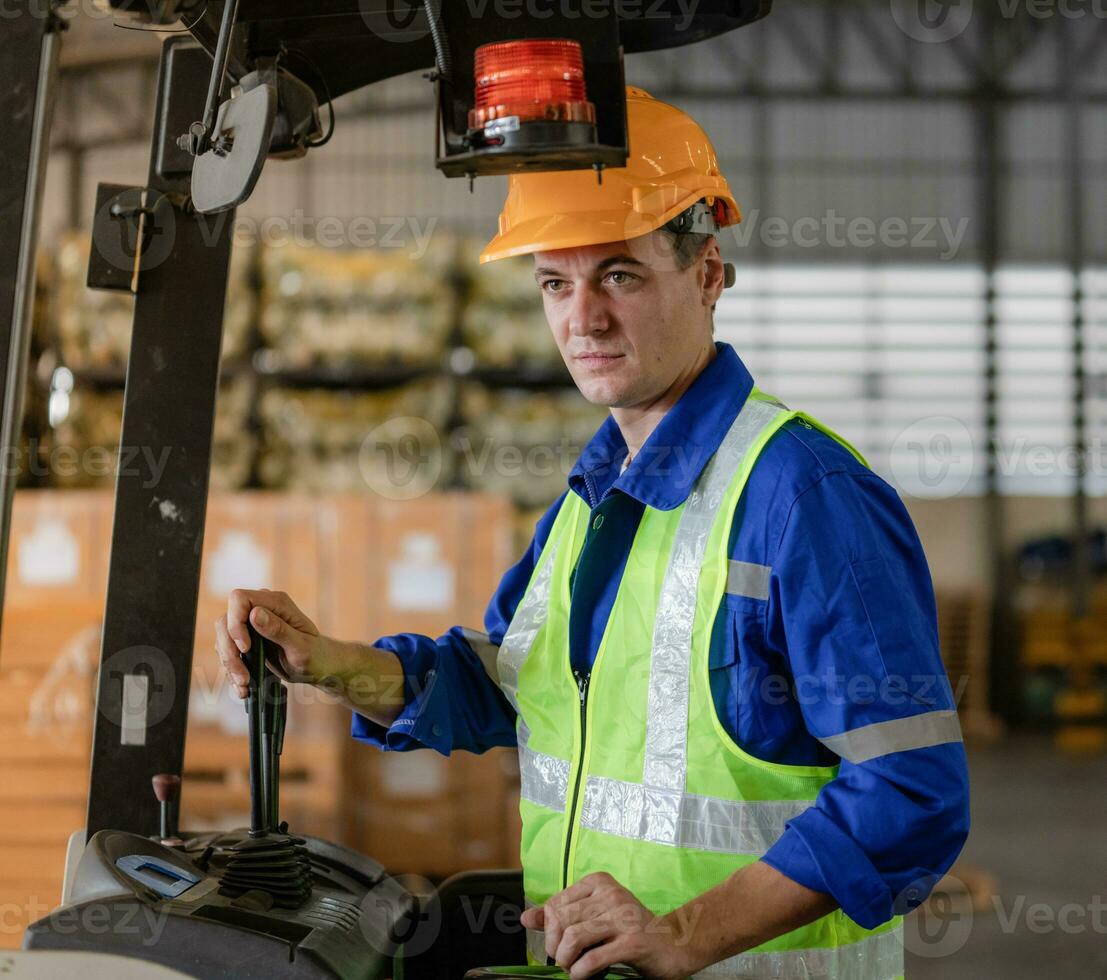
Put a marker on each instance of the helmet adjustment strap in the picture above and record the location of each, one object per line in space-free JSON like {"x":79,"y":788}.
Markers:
{"x":700,"y":219}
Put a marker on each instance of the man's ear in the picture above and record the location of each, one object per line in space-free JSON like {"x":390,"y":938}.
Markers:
{"x":712,"y":273}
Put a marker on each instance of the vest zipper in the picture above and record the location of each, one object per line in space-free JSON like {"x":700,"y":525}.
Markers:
{"x":582,"y":689}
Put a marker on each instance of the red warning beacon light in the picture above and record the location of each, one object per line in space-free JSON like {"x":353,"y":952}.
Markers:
{"x":530,"y":80}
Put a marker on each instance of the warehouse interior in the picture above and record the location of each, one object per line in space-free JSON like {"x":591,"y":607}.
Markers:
{"x":921,"y":264}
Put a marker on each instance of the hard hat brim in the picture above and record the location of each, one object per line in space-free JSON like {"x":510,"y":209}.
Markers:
{"x":550,"y":232}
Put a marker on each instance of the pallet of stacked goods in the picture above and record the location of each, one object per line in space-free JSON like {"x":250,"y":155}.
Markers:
{"x":351,"y":308}
{"x":353,"y":398}
{"x":80,"y":442}
{"x":522,"y":442}
{"x":92,"y":327}
{"x":385,"y":440}
{"x":56,"y":577}
{"x":84,"y":368}
{"x":503,"y":323}
{"x":1062,"y":659}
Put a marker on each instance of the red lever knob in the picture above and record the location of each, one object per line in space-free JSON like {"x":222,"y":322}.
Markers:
{"x":166,"y":787}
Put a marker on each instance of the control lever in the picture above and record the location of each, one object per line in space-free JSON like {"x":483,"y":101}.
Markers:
{"x":167,"y":787}
{"x":276,"y":716}
{"x":269,"y":859}
{"x":267,"y":709}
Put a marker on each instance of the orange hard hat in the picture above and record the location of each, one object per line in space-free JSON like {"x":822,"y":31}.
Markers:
{"x":671,"y":165}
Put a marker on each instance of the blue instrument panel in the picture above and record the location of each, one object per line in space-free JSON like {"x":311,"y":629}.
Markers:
{"x":166,"y":879}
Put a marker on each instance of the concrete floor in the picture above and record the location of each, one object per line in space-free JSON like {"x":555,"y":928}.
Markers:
{"x":1040,"y":827}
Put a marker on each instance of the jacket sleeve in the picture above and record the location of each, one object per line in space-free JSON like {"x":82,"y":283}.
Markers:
{"x":450,"y":698}
{"x":852,"y":607}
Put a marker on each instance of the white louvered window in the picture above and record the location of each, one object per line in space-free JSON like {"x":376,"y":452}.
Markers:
{"x":1093,"y":286}
{"x":893,"y":358}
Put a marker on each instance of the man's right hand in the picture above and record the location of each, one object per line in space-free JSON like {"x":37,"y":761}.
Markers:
{"x":301,"y":650}
{"x":364,"y":678}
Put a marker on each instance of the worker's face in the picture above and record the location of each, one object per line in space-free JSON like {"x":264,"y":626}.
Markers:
{"x":628,"y":322}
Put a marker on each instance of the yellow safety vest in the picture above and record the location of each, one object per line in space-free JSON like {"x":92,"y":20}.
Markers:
{"x":628,"y":770}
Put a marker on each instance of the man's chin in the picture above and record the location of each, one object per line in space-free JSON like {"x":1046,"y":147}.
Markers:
{"x":602,"y":393}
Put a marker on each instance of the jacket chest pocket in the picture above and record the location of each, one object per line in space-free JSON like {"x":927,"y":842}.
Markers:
{"x":750,"y":685}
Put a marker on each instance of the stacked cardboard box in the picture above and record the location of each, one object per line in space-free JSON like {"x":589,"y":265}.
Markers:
{"x":433,"y":563}
{"x":49,"y":650}
{"x":359,"y":566}
{"x":964,"y":633}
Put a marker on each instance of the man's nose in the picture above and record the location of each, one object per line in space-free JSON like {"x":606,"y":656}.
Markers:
{"x":588,"y":313}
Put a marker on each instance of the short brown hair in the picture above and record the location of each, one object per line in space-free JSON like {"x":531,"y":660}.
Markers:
{"x":688,"y":247}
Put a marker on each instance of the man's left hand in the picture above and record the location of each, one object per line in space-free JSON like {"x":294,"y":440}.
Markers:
{"x":596,"y":923}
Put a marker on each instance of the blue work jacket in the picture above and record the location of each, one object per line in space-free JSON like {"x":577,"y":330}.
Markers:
{"x":843,"y":639}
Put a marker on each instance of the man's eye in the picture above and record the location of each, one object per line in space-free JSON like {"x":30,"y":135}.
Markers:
{"x":552,"y":285}
{"x":621,"y":278}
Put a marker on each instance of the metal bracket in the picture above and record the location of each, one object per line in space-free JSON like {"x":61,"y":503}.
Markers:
{"x":132,"y":230}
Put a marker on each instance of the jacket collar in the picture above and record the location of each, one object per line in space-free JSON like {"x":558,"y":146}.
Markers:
{"x":663,"y":473}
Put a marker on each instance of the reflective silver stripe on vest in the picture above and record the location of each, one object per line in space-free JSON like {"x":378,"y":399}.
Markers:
{"x":666,"y":748}
{"x":772,"y":400}
{"x":543,"y":779}
{"x":684,"y":819}
{"x":529,"y":618}
{"x":744,"y":578}
{"x":898,"y":735}
{"x":536,"y":938}
{"x":485,"y":649}
{"x":536,"y":946}
{"x":878,"y":957}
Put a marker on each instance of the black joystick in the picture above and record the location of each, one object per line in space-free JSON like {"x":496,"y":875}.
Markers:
{"x":270,"y":859}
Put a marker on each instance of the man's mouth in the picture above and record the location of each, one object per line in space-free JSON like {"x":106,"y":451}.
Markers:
{"x":596,"y":357}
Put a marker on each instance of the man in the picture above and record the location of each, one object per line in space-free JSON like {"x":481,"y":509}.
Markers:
{"x":738,"y":747}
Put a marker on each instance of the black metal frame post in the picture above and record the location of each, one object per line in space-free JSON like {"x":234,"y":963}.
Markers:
{"x":1068,"y":36}
{"x":29,"y":42}
{"x":165,"y":455}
